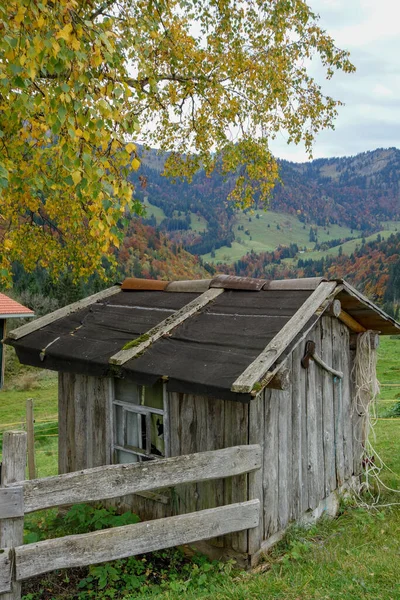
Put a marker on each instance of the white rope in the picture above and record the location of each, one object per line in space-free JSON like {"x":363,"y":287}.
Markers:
{"x":366,"y":391}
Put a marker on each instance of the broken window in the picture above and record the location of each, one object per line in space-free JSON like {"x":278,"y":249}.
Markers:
{"x":138,"y":422}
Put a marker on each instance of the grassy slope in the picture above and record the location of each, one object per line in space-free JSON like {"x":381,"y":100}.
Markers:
{"x":264,"y":235}
{"x":152,"y":210}
{"x":262,"y":238}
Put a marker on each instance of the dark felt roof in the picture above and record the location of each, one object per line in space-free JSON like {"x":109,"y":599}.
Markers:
{"x":203,"y":355}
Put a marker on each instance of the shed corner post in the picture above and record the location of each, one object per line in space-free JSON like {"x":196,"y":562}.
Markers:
{"x":255,"y":478}
{"x":12,"y":529}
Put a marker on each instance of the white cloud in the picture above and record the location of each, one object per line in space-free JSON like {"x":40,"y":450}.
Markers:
{"x":369,"y":119}
{"x":382,"y":91}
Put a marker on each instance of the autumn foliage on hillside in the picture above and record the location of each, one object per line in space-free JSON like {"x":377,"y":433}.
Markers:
{"x":373,"y":268}
{"x":148,"y":253}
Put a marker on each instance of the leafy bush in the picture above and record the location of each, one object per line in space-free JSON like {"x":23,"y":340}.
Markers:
{"x":157,"y":572}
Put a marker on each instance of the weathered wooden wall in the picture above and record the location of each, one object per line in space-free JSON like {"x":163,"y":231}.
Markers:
{"x":198,"y":423}
{"x":311,"y":431}
{"x":84,"y":428}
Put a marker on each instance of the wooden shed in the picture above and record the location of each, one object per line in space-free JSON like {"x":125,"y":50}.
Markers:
{"x":153,"y":369}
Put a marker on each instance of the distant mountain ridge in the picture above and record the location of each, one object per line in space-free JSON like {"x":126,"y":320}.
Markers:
{"x":359,"y":191}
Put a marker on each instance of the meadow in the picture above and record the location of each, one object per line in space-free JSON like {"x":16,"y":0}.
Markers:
{"x":263,"y":231}
{"x":355,"y":556}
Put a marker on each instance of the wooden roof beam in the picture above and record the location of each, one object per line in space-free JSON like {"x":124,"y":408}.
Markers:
{"x":16,"y":334}
{"x":258,"y":369}
{"x":139,"y":345}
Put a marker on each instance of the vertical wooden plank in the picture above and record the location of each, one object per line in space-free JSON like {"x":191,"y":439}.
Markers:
{"x":66,"y":422}
{"x":81,"y":400}
{"x":304,"y":439}
{"x":89,"y":399}
{"x":328,"y":409}
{"x":187,"y":493}
{"x":337,"y":401}
{"x":312,"y":432}
{"x":174,"y":401}
{"x":98,"y":409}
{"x":109,"y":421}
{"x":319,"y":381}
{"x":204,"y":496}
{"x":347,"y":405}
{"x":215,"y":420}
{"x":297,"y":433}
{"x":235,"y":488}
{"x":62,"y":425}
{"x":13,"y":470}
{"x":166,"y":422}
{"x":284,"y":457}
{"x":30,"y":438}
{"x":256,"y":436}
{"x":270,"y":478}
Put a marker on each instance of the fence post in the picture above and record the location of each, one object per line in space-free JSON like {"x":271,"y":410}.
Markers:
{"x":31,"y":438}
{"x":13,"y":470}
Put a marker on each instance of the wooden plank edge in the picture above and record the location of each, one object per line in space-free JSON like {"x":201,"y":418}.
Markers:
{"x":28,"y":328}
{"x":11,"y":502}
{"x":6,"y":562}
{"x":258,"y":369}
{"x":165,"y":327}
{"x":269,"y":379}
{"x":352,"y":291}
{"x":112,"y":481}
{"x":130,"y":540}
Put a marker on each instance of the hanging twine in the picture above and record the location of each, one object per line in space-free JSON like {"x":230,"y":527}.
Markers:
{"x":366,"y":383}
{"x":364,"y":403}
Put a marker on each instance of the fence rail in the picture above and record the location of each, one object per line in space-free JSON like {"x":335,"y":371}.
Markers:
{"x":112,"y":481}
{"x":17,"y":498}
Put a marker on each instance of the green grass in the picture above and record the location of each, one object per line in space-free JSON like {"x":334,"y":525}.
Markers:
{"x":270,"y":230}
{"x":197,"y":222}
{"x":350,"y":246}
{"x":152,"y":210}
{"x":42,"y":387}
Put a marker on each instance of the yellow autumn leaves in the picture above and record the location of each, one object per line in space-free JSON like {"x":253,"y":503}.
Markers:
{"x":208,"y":82}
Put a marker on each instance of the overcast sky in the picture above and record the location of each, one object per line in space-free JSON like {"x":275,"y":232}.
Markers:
{"x":370,"y":119}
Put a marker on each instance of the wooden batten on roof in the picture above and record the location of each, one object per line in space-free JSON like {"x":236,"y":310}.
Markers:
{"x":60,"y":313}
{"x":225,"y":337}
{"x":258,"y":369}
{"x":165,"y":327}
{"x":134,"y":283}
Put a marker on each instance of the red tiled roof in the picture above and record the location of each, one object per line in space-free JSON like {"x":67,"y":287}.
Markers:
{"x":11,"y":308}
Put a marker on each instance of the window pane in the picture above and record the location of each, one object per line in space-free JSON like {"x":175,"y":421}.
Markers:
{"x":126,"y":391}
{"x":157,"y":435}
{"x":134,"y":436}
{"x":125,"y":457}
{"x":119,"y":425}
{"x":153,"y":396}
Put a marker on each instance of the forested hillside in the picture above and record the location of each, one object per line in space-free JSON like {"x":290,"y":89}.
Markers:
{"x":360,"y":192}
{"x":373,"y":268}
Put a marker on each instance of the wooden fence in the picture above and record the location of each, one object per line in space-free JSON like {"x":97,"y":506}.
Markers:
{"x":19,"y":497}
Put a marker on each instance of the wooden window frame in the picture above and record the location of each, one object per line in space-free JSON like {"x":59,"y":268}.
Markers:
{"x":139,"y":410}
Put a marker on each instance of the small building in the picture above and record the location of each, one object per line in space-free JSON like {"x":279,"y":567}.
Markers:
{"x":154,"y":369}
{"x":9,"y":309}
